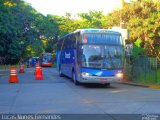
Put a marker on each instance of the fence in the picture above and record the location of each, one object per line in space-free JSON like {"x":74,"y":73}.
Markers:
{"x":144,"y":70}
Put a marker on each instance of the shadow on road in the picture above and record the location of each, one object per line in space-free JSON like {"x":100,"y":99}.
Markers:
{"x":92,"y":85}
{"x":98,"y":86}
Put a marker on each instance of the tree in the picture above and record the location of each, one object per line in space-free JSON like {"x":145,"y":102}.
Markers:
{"x":93,"y":19}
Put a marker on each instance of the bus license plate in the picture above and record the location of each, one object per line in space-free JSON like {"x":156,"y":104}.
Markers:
{"x":103,"y":79}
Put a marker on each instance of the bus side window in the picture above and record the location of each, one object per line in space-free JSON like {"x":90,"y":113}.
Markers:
{"x":69,"y":42}
{"x":79,"y":54}
{"x":72,"y":42}
{"x":65,"y":44}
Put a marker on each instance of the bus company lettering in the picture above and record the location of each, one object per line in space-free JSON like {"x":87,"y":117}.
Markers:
{"x":67,"y":55}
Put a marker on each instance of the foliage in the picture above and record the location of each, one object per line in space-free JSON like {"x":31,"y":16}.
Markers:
{"x":93,"y":19}
{"x":26,"y":33}
{"x":23,"y":30}
{"x":142,"y":19}
{"x":137,"y":49}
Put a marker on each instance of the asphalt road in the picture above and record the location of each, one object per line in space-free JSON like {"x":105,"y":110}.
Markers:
{"x":59,"y":95}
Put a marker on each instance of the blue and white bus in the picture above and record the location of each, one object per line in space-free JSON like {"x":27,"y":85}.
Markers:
{"x":91,"y":56}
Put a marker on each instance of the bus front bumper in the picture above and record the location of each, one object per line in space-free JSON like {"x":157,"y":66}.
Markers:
{"x":96,"y":79}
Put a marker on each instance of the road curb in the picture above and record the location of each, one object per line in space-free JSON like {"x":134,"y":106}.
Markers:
{"x":142,"y":85}
{"x":134,"y":84}
{"x":155,"y":87}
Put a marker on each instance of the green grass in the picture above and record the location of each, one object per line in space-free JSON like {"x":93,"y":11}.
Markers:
{"x":158,"y":76}
{"x":150,"y":78}
{"x":8,"y":66}
{"x":4,"y":66}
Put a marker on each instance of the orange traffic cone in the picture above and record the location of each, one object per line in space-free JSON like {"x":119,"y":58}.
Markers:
{"x":36,"y":68}
{"x":38,"y":73}
{"x":13,"y":75}
{"x":21,"y":68}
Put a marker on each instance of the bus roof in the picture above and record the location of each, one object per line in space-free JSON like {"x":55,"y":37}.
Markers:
{"x":92,"y":30}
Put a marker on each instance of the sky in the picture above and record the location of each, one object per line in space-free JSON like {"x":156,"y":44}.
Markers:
{"x":60,"y":7}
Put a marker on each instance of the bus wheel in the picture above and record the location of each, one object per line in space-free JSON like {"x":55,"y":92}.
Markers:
{"x":74,"y":78}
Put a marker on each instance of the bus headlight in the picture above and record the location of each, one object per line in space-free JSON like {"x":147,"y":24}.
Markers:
{"x":119,"y":75}
{"x":86,"y":74}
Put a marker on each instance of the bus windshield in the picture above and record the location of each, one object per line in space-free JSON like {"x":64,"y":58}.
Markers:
{"x":47,"y":58}
{"x":102,"y":56}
